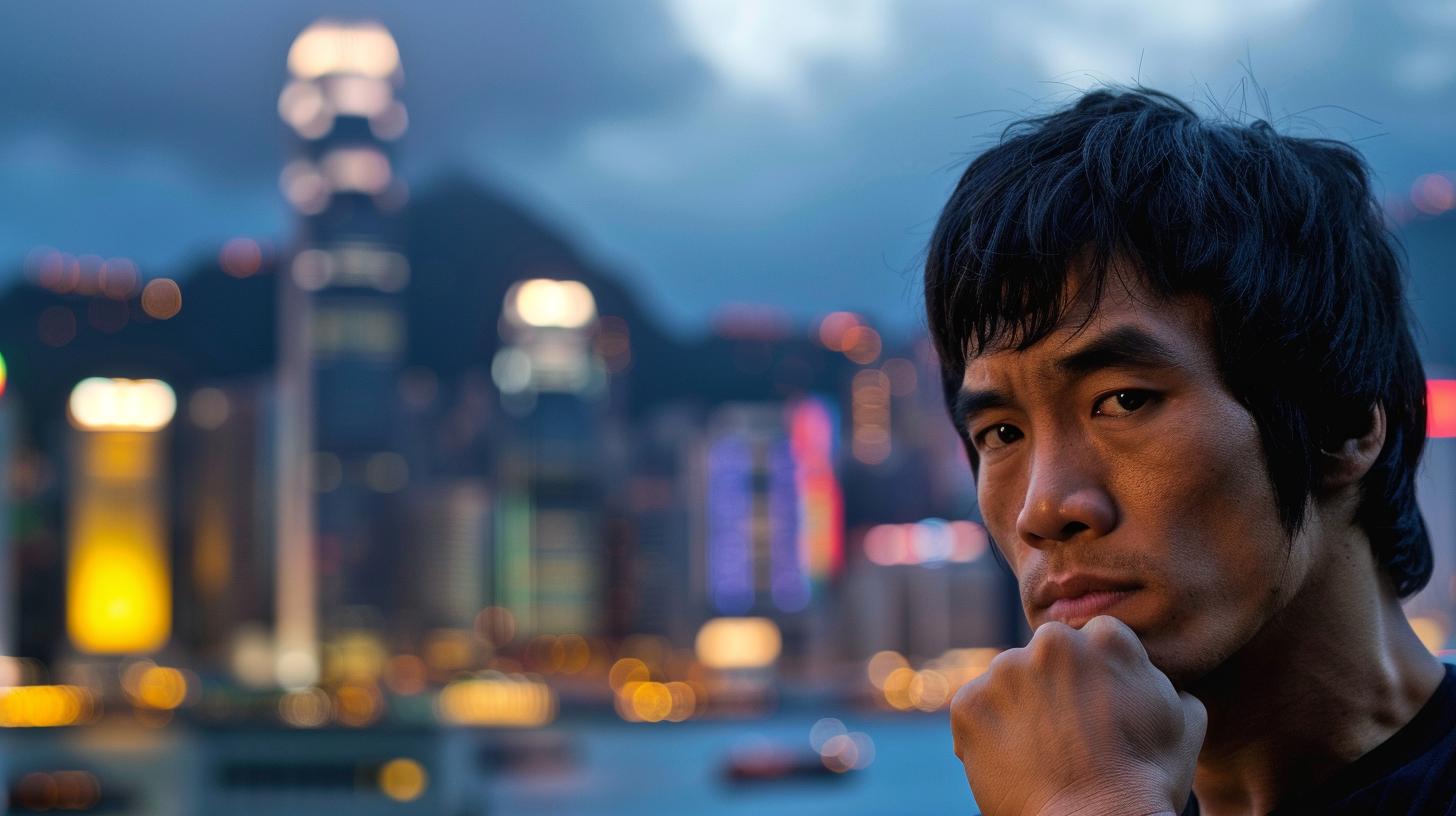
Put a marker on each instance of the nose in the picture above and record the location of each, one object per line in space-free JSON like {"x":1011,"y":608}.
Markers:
{"x":1066,"y":498}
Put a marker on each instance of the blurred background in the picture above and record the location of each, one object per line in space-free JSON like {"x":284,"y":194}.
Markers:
{"x":525,"y":408}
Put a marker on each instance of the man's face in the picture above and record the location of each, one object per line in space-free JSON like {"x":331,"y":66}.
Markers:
{"x":1119,"y":476}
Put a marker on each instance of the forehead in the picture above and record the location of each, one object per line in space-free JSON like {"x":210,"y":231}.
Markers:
{"x":1179,"y":325}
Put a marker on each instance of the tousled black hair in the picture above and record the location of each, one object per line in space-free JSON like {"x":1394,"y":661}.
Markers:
{"x":1280,"y":235}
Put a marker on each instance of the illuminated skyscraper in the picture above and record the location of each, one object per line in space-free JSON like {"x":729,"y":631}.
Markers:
{"x":550,"y":548}
{"x":343,"y":333}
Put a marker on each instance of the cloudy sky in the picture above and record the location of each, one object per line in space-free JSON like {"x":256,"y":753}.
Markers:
{"x":787,"y":152}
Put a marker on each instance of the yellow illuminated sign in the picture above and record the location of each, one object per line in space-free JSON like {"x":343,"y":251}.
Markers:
{"x":118,"y":587}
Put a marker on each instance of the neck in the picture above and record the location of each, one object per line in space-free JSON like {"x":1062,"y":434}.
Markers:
{"x":1335,"y":673}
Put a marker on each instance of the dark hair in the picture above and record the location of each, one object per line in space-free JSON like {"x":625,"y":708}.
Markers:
{"x":1281,"y":235}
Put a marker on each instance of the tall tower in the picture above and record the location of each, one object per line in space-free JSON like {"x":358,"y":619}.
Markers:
{"x":549,"y":548}
{"x":343,"y":335}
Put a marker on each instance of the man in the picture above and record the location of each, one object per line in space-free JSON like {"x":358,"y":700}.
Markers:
{"x":1178,"y":353}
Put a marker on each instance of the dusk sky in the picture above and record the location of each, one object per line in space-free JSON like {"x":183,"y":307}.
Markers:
{"x":785,"y":152}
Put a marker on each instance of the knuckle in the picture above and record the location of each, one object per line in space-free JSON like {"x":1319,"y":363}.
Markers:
{"x":968,"y":707}
{"x":1044,"y":658}
{"x":1050,"y":644}
{"x":1105,"y":629}
{"x":966,"y":698}
{"x":1052,"y":634}
{"x":1109,"y":633}
{"x":1001,"y":668}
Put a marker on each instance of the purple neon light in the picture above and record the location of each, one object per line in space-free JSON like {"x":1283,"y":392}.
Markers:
{"x":729,"y":521}
{"x":789,"y":585}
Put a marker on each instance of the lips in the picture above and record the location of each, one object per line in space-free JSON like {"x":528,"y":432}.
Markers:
{"x":1075,"y":599}
{"x":1077,"y":611}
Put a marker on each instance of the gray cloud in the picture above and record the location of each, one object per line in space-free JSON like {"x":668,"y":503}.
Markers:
{"x":702,"y":187}
{"x":201,"y":79}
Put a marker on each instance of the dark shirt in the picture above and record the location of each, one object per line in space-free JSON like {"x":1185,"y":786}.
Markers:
{"x":1413,"y":772}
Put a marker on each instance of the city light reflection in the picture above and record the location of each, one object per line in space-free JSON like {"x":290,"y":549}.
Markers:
{"x":495,"y":699}
{"x":45,"y":706}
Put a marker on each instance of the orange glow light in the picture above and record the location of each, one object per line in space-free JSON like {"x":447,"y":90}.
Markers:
{"x":627,"y":670}
{"x":833,"y":328}
{"x":403,"y":779}
{"x":1441,"y":408}
{"x":45,"y":706}
{"x":162,"y":299}
{"x":161,"y":687}
{"x":497,"y":700}
{"x":861,"y":344}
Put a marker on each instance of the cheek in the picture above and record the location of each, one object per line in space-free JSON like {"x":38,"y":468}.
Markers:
{"x":1210,"y":525}
{"x":999,"y":510}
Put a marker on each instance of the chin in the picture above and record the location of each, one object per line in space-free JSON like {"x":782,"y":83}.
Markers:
{"x":1184,"y":661}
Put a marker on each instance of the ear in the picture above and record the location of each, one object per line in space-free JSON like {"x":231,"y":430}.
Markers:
{"x":1350,"y":459}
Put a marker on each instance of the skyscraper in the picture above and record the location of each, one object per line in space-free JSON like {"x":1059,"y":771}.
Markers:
{"x":343,"y":332}
{"x":549,"y":544}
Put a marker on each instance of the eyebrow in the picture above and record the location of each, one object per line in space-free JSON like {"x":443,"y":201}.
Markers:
{"x":1126,"y":347}
{"x":971,"y":403}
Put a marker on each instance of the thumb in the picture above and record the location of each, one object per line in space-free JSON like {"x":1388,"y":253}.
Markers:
{"x":1195,"y":723}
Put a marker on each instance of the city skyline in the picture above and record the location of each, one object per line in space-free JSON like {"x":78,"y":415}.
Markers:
{"x":422,"y":497}
{"x":706,"y":161}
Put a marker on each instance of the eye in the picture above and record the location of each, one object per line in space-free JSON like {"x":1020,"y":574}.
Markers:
{"x":997,"y":437}
{"x":1121,"y":403}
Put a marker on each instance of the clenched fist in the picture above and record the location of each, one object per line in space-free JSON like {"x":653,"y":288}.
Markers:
{"x":1077,"y":721}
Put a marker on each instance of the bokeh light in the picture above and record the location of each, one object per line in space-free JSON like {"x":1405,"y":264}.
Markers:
{"x":496,"y":699}
{"x":241,"y":257}
{"x":305,"y":708}
{"x":882,"y":664}
{"x":209,"y":408}
{"x":738,"y":643}
{"x":56,"y":326}
{"x":861,"y":344}
{"x":403,"y":779}
{"x":1440,"y":408}
{"x":45,"y":706}
{"x":333,"y":47}
{"x":834,"y":328}
{"x":545,"y":303}
{"x":160,"y":687}
{"x":101,"y":404}
{"x":1433,"y":194}
{"x":162,"y":299}
{"x":118,"y":278}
